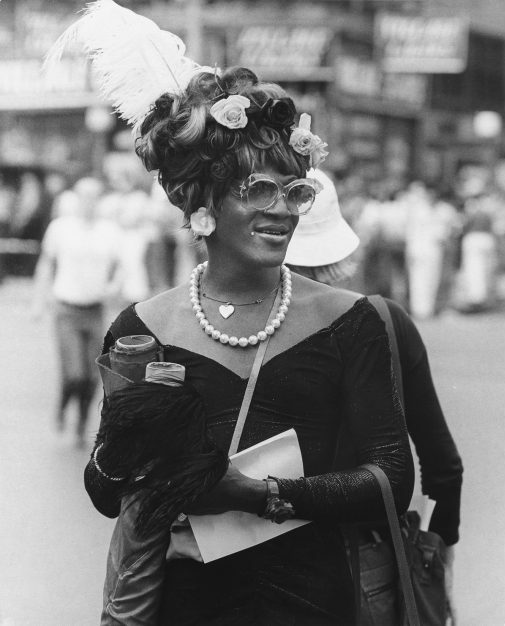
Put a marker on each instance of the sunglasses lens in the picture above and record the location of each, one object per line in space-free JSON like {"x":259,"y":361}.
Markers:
{"x":260,"y":194}
{"x":300,"y":198}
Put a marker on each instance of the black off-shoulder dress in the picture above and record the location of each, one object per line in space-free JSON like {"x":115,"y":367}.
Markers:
{"x":340,"y":374}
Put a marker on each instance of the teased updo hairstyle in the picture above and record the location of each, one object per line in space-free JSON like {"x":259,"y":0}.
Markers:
{"x":197,"y":158}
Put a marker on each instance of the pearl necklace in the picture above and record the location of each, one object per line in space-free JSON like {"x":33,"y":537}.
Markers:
{"x":243,"y":342}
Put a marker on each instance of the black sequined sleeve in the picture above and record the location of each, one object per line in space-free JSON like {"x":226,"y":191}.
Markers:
{"x":440,"y":463}
{"x":375,"y":427}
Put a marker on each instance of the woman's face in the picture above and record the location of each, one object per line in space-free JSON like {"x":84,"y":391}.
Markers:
{"x":250,"y":236}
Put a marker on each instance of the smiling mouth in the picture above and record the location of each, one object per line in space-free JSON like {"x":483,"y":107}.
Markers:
{"x":275,"y":232}
{"x":271,"y":232}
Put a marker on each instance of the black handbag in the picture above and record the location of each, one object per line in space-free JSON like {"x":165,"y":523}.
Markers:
{"x":420,"y":555}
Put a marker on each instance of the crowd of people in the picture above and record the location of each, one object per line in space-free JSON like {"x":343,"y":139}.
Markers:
{"x":427,"y":250}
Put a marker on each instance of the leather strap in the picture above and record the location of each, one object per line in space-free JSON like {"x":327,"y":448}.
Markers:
{"x":251,"y":384}
{"x":383,"y":310}
{"x":396,"y":536}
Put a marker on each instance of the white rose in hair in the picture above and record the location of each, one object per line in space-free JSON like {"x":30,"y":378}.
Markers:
{"x":230,"y":112}
{"x":202,"y":222}
{"x":304,"y":142}
{"x":319,"y":153}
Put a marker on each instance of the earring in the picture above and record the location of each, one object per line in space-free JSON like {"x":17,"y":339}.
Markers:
{"x":252,"y":234}
{"x":202,"y":222}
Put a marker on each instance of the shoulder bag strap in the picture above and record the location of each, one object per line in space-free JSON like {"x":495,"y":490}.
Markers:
{"x":396,"y":536}
{"x":383,"y":310}
{"x":251,"y":384}
{"x":387,"y":495}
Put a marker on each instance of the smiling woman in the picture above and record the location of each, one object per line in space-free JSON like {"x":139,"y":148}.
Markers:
{"x":230,"y":156}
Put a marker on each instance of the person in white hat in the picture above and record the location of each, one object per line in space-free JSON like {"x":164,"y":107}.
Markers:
{"x":323,"y":239}
{"x":320,"y":250}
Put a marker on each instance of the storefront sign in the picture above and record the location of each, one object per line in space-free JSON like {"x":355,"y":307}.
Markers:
{"x":26,"y":34}
{"x":422,"y":44}
{"x":362,"y":77}
{"x":300,"y":47}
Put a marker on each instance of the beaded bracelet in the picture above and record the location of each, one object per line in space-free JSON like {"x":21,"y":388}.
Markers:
{"x":100,"y":470}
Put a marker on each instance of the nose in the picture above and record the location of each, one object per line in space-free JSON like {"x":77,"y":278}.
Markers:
{"x":280,"y":207}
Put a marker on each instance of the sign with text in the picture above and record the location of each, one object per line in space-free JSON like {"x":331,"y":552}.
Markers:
{"x":416,"y":44}
{"x":363,"y":77}
{"x":299,"y":47}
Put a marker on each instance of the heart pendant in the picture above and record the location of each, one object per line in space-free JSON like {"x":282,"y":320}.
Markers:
{"x":226,"y":310}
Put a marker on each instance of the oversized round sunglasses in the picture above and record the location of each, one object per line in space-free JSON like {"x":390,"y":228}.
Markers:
{"x":261,"y":192}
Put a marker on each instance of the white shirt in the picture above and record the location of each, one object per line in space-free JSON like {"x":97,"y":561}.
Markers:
{"x":85,"y":254}
{"x":133,"y":257}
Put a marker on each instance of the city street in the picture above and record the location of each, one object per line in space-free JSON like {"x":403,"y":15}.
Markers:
{"x":53,"y":544}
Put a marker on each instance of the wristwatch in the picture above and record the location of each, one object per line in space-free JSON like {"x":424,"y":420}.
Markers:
{"x":272,"y":488}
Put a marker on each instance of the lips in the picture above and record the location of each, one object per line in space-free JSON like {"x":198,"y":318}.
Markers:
{"x":277,"y":230}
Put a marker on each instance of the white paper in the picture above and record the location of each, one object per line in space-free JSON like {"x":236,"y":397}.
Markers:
{"x":224,"y":534}
{"x":427,"y":511}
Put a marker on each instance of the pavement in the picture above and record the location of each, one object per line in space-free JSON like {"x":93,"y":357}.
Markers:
{"x":53,"y":544}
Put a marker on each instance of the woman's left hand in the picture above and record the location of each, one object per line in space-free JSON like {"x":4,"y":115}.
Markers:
{"x":449,"y":582}
{"x":234,"y":492}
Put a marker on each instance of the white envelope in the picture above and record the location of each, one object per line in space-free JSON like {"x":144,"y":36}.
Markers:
{"x":224,"y":534}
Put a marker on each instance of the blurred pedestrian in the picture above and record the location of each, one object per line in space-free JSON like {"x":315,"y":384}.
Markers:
{"x":478,"y":255}
{"x":447,"y":289}
{"x":381,"y":228}
{"x":137,"y":235}
{"x":430,"y":226}
{"x":176,"y":250}
{"x":77,"y":266}
{"x":322,"y":237}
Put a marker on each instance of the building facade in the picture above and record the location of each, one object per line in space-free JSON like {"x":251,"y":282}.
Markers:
{"x":378,"y":123}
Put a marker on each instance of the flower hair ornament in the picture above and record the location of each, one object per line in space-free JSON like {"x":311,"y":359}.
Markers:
{"x":202,"y":222}
{"x":231,"y":112}
{"x":304,"y":142}
{"x":133,"y":60}
{"x":279,"y":113}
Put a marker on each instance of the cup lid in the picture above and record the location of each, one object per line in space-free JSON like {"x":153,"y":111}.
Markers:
{"x":133,"y":344}
{"x":165,"y":373}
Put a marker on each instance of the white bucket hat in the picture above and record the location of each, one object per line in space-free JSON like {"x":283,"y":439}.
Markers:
{"x":322,"y":237}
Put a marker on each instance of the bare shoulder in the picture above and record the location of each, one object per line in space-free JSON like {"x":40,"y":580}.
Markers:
{"x":327,"y":303}
{"x":164,"y":309}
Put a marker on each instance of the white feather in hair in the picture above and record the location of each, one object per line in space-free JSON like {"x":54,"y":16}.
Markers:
{"x":133,"y":59}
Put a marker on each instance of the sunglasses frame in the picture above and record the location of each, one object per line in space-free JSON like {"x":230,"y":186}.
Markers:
{"x":282,"y":190}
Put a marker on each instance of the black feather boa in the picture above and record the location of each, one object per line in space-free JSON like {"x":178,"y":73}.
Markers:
{"x":156,"y":436}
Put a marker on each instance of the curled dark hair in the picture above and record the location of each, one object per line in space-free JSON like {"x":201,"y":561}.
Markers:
{"x":197,"y":158}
